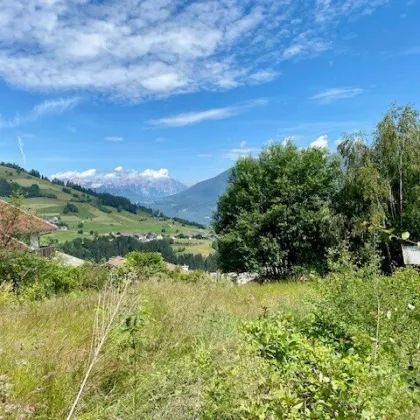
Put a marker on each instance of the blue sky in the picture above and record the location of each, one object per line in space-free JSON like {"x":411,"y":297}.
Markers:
{"x":188,"y":86}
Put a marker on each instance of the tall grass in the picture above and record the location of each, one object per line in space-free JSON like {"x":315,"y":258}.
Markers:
{"x":45,"y":347}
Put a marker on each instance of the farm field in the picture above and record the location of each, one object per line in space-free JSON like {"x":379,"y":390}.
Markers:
{"x":193,"y":246}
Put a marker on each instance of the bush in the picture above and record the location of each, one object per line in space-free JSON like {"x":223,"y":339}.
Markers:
{"x":70,"y":208}
{"x":282,"y":373}
{"x":382,"y":310}
{"x":34,"y":278}
{"x":145,"y":263}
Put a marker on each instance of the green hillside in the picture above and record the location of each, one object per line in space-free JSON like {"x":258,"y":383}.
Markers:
{"x":196,"y":203}
{"x":94,"y":217}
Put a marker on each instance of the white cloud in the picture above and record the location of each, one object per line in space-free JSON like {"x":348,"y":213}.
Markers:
{"x":95,"y":178}
{"x":288,"y":139}
{"x":329,"y":10}
{"x":320,"y":143}
{"x":190,"y":118}
{"x":236,"y":153}
{"x":137,"y":49}
{"x":331,"y":95}
{"x":70,"y":175}
{"x":48,"y":107}
{"x":150,"y":173}
{"x":114,"y":138}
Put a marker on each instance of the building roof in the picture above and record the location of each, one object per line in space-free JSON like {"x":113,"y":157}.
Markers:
{"x":25,"y":222}
{"x":117,"y":261}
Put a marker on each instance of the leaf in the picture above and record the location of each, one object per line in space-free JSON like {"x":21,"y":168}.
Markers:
{"x":405,"y":236}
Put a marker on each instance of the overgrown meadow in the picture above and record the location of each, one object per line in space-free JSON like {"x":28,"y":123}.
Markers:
{"x":187,"y":345}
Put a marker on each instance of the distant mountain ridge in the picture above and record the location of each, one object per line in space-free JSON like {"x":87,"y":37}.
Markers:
{"x":138,"y":186}
{"x":196,"y":203}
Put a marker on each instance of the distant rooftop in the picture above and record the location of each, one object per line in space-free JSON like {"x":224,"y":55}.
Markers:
{"x":25,"y":223}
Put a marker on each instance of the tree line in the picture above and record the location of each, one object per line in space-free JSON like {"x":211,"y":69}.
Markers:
{"x":286,"y":208}
{"x":8,"y":189}
{"x":103,"y":248}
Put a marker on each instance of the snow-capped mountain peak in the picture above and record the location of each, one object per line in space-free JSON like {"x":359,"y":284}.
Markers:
{"x":131,"y":183}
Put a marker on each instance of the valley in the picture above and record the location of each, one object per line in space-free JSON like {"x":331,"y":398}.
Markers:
{"x":89,"y":220}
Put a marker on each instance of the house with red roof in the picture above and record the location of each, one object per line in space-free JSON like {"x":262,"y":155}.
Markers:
{"x":20,"y":229}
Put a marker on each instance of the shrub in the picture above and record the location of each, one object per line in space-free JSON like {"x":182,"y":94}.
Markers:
{"x":145,"y":263}
{"x":282,"y":373}
{"x":34,"y":278}
{"x":382,"y":310}
{"x":70,"y":208}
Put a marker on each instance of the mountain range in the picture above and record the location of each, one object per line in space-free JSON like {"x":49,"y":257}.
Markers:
{"x":156,"y":189}
{"x":141,"y":187}
{"x":196,"y":203}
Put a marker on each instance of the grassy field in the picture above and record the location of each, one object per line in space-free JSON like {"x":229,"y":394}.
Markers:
{"x":193,"y":246}
{"x":93,"y":219}
{"x":45,"y":346}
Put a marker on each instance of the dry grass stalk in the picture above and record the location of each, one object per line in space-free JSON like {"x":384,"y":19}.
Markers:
{"x":110,"y":301}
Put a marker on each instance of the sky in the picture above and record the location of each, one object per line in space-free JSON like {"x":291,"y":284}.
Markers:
{"x":184,"y":87}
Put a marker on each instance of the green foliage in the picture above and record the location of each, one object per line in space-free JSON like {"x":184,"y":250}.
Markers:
{"x":381,"y":181}
{"x":102,"y":248}
{"x":145,"y":264}
{"x":282,"y":373}
{"x":8,"y":189}
{"x":34,"y":278}
{"x":275,"y":213}
{"x":70,"y":208}
{"x":383,"y":311}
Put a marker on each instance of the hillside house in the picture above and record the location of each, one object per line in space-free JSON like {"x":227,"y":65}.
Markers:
{"x":23,"y":230}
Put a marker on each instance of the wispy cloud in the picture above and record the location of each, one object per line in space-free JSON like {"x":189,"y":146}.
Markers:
{"x":114,"y":138}
{"x":327,"y":11}
{"x":134,"y":50}
{"x":49,"y":107}
{"x":241,"y":151}
{"x":190,"y":118}
{"x":22,"y":151}
{"x":332,"y":95}
{"x":71,"y":129}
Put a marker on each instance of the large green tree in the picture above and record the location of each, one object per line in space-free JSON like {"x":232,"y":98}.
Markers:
{"x":382,"y":179}
{"x":275,"y":213}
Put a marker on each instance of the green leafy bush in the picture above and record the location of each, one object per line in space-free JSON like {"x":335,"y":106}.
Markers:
{"x":145,"y":263}
{"x":283,"y":373}
{"x":34,"y":278}
{"x":384,"y":311}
